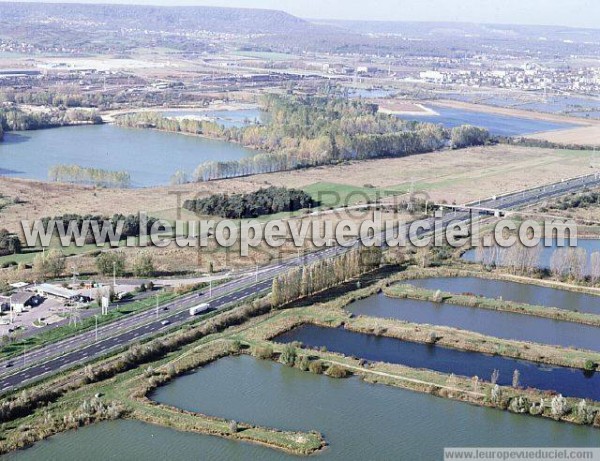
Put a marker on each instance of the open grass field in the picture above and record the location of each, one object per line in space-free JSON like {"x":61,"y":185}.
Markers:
{"x":459,"y":176}
{"x":588,"y":135}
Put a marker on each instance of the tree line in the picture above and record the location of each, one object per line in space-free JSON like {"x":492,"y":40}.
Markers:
{"x":87,"y":175}
{"x":9,"y":243}
{"x":131,"y":224}
{"x":321,"y":275}
{"x":14,"y":119}
{"x":160,"y":122}
{"x":305,"y":131}
{"x":568,"y":263}
{"x":251,"y":205}
{"x":101,"y":100}
{"x":583,"y":200}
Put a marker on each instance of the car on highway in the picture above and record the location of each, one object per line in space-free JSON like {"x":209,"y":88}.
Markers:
{"x":164,"y":322}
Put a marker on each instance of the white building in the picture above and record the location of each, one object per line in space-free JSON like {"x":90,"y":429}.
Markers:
{"x":47,"y":289}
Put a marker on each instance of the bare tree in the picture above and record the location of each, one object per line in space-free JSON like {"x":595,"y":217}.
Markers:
{"x":515,"y":379}
{"x":559,"y":263}
{"x":495,"y":376}
{"x":577,"y":262}
{"x":595,"y":267}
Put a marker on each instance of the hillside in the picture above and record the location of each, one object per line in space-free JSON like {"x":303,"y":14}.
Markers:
{"x":194,"y":18}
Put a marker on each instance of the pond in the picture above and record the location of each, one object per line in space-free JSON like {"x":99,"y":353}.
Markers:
{"x":128,"y":440}
{"x":513,"y":291}
{"x":545,"y":253}
{"x":151,"y":157}
{"x":228,"y":118}
{"x":488,"y":322}
{"x":570,"y":105}
{"x":567,"y":381}
{"x":359,"y":420}
{"x":501,"y":125}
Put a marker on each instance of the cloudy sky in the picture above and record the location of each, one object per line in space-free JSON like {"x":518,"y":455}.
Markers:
{"x":578,"y":13}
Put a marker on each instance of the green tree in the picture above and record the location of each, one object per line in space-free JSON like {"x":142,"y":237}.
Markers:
{"x":9,"y":243}
{"x":467,"y":135}
{"x":276,"y":299}
{"x":288,"y":355}
{"x":143,"y":266}
{"x":49,"y":263}
{"x":111,"y":262}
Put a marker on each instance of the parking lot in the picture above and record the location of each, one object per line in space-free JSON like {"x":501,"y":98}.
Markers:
{"x":51,"y":311}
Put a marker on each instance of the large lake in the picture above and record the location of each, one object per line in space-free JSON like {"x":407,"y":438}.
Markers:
{"x":151,"y":157}
{"x":501,"y":125}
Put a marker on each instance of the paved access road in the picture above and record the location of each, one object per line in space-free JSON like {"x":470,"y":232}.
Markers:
{"x":88,"y":345}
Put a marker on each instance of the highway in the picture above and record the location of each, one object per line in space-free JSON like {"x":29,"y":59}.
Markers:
{"x":78,"y":349}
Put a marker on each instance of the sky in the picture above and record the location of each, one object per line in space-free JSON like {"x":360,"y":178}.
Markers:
{"x":575,"y":13}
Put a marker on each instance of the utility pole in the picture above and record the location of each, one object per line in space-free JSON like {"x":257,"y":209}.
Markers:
{"x":114,"y":276}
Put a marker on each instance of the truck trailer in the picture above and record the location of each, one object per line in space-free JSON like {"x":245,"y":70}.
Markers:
{"x":200,"y":308}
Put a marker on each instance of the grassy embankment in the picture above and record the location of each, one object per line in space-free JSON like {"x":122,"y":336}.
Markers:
{"x":412,"y":292}
{"x":123,"y":394}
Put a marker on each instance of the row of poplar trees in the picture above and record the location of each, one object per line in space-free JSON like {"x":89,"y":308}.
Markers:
{"x":321,"y":275}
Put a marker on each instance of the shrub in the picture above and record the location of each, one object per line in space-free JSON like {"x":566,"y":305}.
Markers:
{"x":236,"y":346}
{"x":288,"y":355}
{"x":262,"y":352}
{"x":303,"y":363}
{"x":337,"y":371}
{"x":233,"y":427}
{"x":316,"y":367}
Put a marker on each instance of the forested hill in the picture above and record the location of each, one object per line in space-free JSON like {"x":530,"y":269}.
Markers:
{"x":214,"y":19}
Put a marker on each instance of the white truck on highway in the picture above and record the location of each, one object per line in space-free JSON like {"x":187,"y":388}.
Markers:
{"x":199,"y":309}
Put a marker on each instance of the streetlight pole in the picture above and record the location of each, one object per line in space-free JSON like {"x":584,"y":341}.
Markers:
{"x":210,"y":287}
{"x":96,"y":330}
{"x":157,"y":305}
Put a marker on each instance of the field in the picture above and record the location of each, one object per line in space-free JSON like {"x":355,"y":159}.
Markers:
{"x":458,"y":176}
{"x":588,"y":135}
